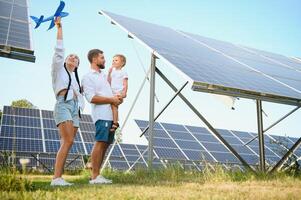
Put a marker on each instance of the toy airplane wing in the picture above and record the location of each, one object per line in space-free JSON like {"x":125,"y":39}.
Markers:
{"x":59,"y":9}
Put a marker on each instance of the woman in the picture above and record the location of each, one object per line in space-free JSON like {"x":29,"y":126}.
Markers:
{"x":67,"y":91}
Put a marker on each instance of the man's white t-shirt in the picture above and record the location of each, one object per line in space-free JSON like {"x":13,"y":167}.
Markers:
{"x":95,"y":83}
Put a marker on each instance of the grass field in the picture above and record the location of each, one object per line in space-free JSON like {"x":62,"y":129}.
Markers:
{"x":171,"y":183}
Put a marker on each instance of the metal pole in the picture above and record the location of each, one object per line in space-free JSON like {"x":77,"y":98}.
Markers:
{"x":164,"y":108}
{"x":288,"y":154}
{"x":205,"y":121}
{"x":260,"y":135}
{"x":151,"y":111}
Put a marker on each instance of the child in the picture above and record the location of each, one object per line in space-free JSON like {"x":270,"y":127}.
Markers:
{"x":118,"y":80}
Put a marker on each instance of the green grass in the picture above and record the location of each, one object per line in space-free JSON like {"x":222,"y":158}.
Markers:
{"x":170,"y":183}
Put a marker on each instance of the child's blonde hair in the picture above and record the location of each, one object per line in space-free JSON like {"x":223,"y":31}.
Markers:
{"x":122,"y":57}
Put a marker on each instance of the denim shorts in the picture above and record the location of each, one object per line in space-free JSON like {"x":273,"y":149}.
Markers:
{"x":66,"y":110}
{"x":103,"y":131}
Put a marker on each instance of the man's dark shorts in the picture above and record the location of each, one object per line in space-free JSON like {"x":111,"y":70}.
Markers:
{"x":103,"y":131}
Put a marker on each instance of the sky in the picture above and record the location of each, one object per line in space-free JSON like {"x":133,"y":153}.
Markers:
{"x":271,"y":25}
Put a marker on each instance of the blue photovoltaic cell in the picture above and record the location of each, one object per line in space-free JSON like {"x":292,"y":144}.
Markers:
{"x":205,"y":138}
{"x":119,"y":165}
{"x":161,"y":142}
{"x":86,"y":118}
{"x":225,"y":157}
{"x":165,"y":153}
{"x":49,"y":123}
{"x":214,"y":146}
{"x":116,"y":151}
{"x":89,"y":147}
{"x":250,"y":158}
{"x":198,"y":155}
{"x":88,"y":136}
{"x":181,"y":135}
{"x":143,"y":124}
{"x":9,"y":110}
{"x":47,"y":114}
{"x":51,"y":134}
{"x":21,"y":121}
{"x":21,"y":145}
{"x":53,"y":147}
{"x":189,"y":145}
{"x":196,"y":57}
{"x":197,"y":129}
{"x":88,"y":127}
{"x":174,"y":127}
{"x":18,"y":132}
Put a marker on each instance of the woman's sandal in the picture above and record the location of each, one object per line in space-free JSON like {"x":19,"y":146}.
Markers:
{"x":115,"y":125}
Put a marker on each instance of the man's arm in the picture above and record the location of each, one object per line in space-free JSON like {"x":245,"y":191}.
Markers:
{"x":91,"y":96}
{"x":106,"y":100}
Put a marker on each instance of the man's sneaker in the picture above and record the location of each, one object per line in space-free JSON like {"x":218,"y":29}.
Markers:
{"x":59,"y":182}
{"x":100,"y":180}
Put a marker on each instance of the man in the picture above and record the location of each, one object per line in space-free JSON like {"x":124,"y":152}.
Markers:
{"x":98,"y":92}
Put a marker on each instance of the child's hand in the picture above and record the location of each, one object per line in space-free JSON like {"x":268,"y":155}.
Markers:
{"x":58,"y":22}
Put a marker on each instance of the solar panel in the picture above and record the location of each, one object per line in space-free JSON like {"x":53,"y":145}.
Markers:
{"x":33,"y":131}
{"x":196,"y":144}
{"x":21,"y":145}
{"x":218,"y":67}
{"x":15,"y":38}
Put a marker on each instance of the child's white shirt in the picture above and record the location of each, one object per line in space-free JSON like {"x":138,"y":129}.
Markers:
{"x":117,"y":77}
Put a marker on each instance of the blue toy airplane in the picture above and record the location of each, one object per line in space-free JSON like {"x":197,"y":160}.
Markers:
{"x":58,"y":13}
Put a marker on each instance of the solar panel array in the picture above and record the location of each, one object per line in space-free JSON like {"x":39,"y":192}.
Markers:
{"x":220,"y":67}
{"x":15,"y":38}
{"x":32,"y":133}
{"x":196,"y":144}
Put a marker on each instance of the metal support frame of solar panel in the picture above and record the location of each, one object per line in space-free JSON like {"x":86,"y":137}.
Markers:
{"x":129,"y":157}
{"x":15,"y":35}
{"x":219,"y":67}
{"x":270,"y":84}
{"x":191,"y":139}
{"x":274,"y":147}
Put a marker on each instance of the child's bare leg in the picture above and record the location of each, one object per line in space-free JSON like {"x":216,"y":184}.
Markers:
{"x":115,"y":113}
{"x":115,"y":124}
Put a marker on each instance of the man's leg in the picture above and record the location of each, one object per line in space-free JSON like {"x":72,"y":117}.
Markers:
{"x":97,"y":156}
